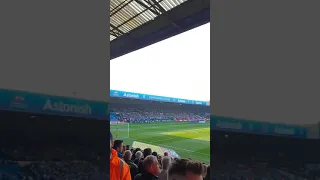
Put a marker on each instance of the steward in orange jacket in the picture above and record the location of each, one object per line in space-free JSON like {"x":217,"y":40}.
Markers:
{"x":119,"y":170}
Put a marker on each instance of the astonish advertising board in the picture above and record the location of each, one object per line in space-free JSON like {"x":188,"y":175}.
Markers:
{"x":55,"y":105}
{"x":123,"y":94}
{"x":254,"y":127}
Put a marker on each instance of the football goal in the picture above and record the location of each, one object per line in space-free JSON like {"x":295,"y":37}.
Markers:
{"x":120,"y":130}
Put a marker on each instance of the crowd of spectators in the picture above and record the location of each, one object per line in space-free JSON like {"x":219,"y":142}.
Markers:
{"x":56,"y":164}
{"x":134,"y":163}
{"x":262,"y":170}
{"x":255,"y":157}
{"x":144,"y":115}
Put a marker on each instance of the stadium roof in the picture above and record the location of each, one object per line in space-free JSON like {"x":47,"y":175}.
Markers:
{"x":135,"y":24}
{"x":129,"y":14}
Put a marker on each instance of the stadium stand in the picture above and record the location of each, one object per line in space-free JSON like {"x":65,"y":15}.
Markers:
{"x":49,"y":147}
{"x":37,"y":143}
{"x":137,"y":111}
{"x":252,"y":156}
{"x":36,"y":130}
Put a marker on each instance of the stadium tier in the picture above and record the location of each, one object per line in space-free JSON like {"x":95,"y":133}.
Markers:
{"x":123,"y":94}
{"x":13,"y":100}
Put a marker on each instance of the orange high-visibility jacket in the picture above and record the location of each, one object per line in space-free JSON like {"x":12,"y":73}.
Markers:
{"x":119,"y":170}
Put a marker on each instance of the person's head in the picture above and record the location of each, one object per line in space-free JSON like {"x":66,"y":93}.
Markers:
{"x":166,"y":161}
{"x":127,"y":147}
{"x":166,"y":154}
{"x":139,"y":154}
{"x":147,"y":152}
{"x":118,"y":145}
{"x":151,"y":165}
{"x":155,"y":154}
{"x":185,"y":169}
{"x":127,"y":155}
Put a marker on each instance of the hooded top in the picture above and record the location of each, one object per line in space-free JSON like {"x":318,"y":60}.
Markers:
{"x":115,"y":166}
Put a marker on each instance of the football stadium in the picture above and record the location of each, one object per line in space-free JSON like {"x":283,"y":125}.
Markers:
{"x":59,"y":129}
{"x":182,"y":129}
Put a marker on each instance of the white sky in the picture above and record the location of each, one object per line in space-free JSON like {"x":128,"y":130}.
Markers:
{"x":177,"y":67}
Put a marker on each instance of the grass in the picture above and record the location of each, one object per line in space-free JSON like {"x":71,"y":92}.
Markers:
{"x":188,"y":140}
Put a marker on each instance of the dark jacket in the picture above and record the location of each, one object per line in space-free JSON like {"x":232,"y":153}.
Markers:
{"x":140,"y":167}
{"x":146,"y":176}
{"x":133,"y":168}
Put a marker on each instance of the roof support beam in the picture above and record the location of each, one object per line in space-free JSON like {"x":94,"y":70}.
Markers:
{"x":188,"y":15}
{"x":137,"y":15}
{"x":162,"y":10}
{"x":116,"y":30}
{"x":158,"y":6}
{"x":146,"y":7}
{"x":117,"y":10}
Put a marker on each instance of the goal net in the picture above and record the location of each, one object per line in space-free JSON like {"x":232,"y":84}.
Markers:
{"x":120,"y":130}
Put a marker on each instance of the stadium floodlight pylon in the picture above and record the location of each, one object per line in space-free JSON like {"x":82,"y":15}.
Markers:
{"x":120,"y":130}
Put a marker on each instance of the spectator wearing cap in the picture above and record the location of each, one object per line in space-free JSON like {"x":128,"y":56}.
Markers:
{"x":152,"y":169}
{"x":119,"y":170}
{"x":133,"y":167}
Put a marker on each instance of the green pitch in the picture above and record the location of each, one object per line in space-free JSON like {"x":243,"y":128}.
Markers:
{"x":188,"y":140}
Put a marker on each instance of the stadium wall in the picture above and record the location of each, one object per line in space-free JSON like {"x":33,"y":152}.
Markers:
{"x":56,"y":78}
{"x":48,"y":54}
{"x":54,"y":105}
{"x":272,"y":74}
{"x":222,"y":123}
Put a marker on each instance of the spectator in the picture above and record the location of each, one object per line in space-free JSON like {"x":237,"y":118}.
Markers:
{"x":166,"y":161}
{"x":139,"y":156}
{"x":151,"y":166}
{"x":127,"y":147}
{"x":119,"y":170}
{"x":146,"y":152}
{"x":118,"y":146}
{"x":138,"y":149}
{"x":160,"y":160}
{"x":208,"y":173}
{"x":155,"y":154}
{"x":166,"y":154}
{"x":185,"y":169}
{"x":133,"y":167}
{"x":134,"y":153}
